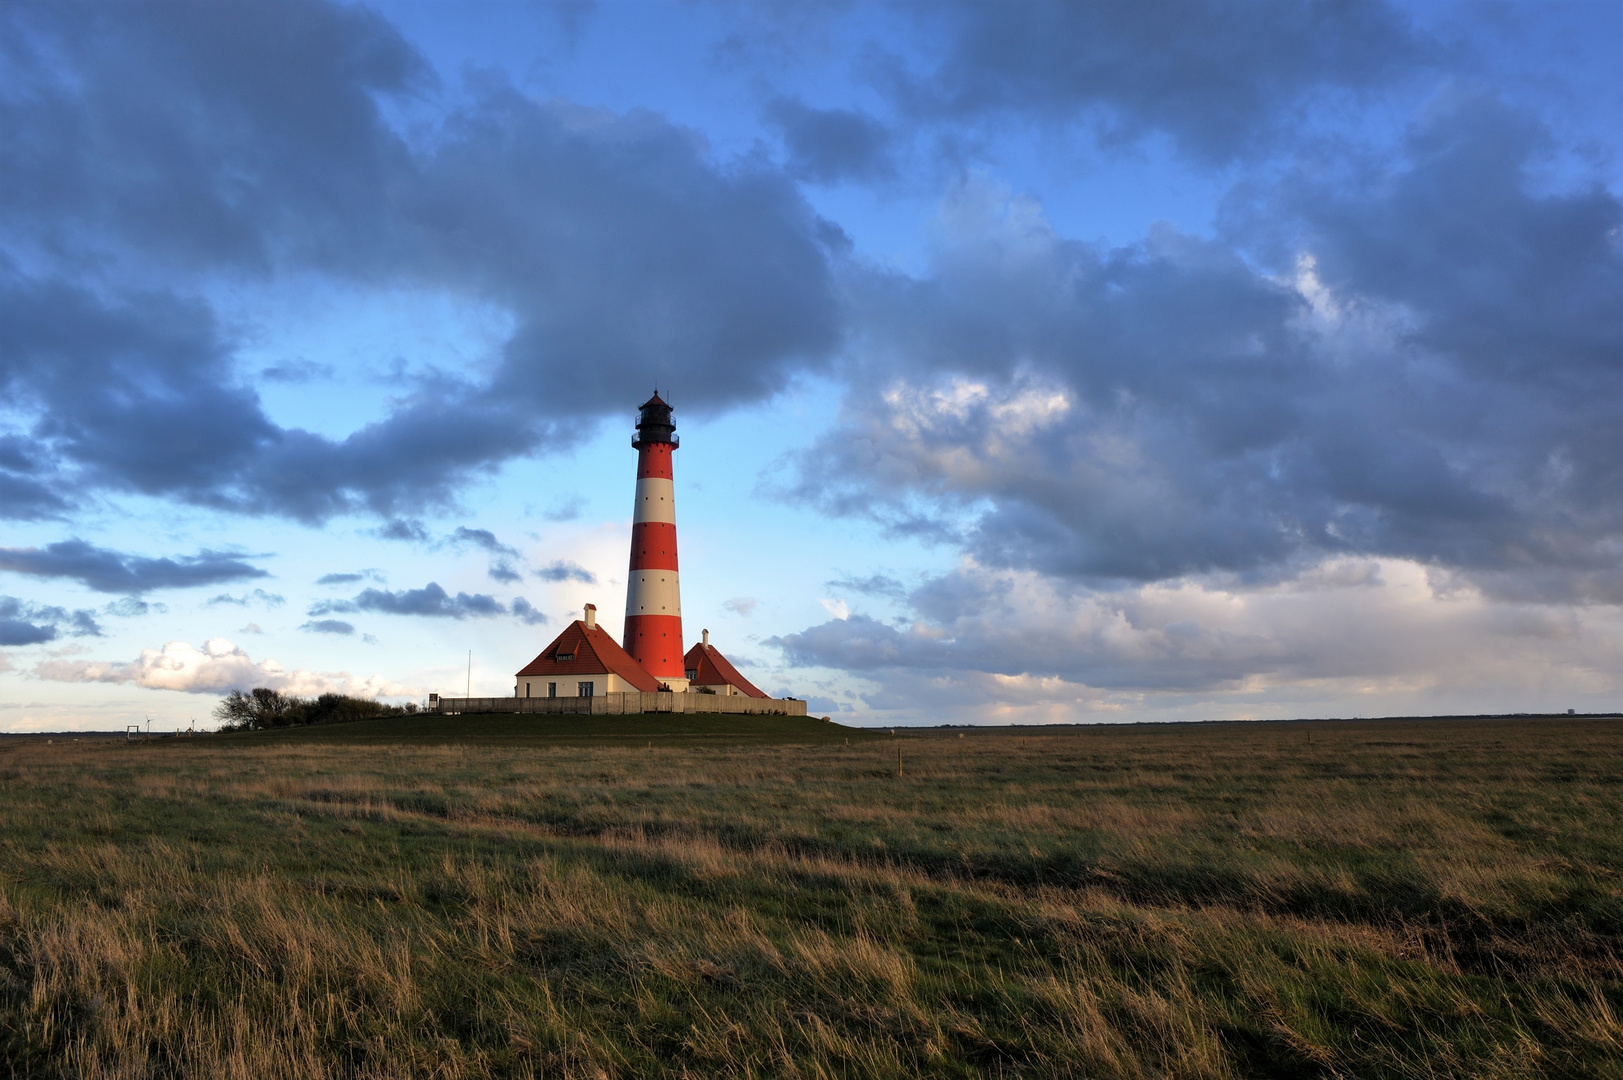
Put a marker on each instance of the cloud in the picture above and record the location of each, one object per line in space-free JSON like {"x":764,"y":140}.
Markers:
{"x":741,"y":605}
{"x":430,"y":601}
{"x":329,"y":626}
{"x":23,"y":623}
{"x":1169,"y":408}
{"x":400,"y":529}
{"x":216,"y":667}
{"x":568,"y":510}
{"x":110,"y":571}
{"x":873,"y":585}
{"x":24,"y":498}
{"x":20,"y":632}
{"x":297,"y":371}
{"x":480,"y":538}
{"x":830,"y":145}
{"x":526,"y":613}
{"x":501,"y":568}
{"x":131,"y":607}
{"x":251,"y":628}
{"x":1347,"y":623}
{"x":339,"y":579}
{"x":1222,"y":81}
{"x":562,"y":217}
{"x":562,"y":570}
{"x":257,"y":596}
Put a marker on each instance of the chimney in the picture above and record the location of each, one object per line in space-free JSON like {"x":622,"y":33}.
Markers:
{"x":706,"y":639}
{"x":591,"y":616}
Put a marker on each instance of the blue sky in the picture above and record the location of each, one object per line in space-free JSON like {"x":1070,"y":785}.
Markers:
{"x":1033,"y":361}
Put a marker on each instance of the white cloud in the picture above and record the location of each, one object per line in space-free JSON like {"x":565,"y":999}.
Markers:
{"x":1387,"y":634}
{"x":741,"y":605}
{"x":213,"y":669}
{"x":837,"y":608}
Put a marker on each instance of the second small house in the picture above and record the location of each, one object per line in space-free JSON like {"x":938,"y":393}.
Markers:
{"x":584,"y":661}
{"x":709,"y":672}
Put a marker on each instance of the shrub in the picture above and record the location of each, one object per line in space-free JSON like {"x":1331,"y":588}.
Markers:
{"x":262,"y":708}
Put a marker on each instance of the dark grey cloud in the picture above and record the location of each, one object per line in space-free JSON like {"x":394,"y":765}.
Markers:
{"x":131,"y":607}
{"x":503,"y":555}
{"x":1423,"y":364}
{"x":27,"y":492}
{"x":339,"y":579}
{"x":526,"y":612}
{"x":406,"y":529}
{"x":873,"y":585}
{"x":22,"y":499}
{"x":205,"y":133}
{"x":830,"y":145}
{"x":160,"y":142}
{"x":23,"y":623}
{"x":297,"y":371}
{"x":431,"y":601}
{"x":131,"y":394}
{"x":563,"y":570}
{"x":328,"y":626}
{"x":106,"y":570}
{"x":480,"y":538}
{"x":259,"y":596}
{"x":568,"y":510}
{"x":19,"y":632}
{"x":1219,"y":79}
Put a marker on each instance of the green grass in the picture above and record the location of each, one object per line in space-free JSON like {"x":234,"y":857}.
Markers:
{"x":492,"y":896}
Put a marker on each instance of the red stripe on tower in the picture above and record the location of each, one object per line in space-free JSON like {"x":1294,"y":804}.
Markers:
{"x":653,"y":628}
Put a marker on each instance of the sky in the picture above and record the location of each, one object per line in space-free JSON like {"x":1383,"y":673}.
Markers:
{"x":1033,"y":362}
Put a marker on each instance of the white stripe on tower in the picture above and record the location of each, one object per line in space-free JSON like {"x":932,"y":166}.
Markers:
{"x":656,"y":500}
{"x":653,"y":592}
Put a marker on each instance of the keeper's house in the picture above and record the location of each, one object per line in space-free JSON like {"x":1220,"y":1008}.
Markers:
{"x":582,"y":662}
{"x":709,"y":672}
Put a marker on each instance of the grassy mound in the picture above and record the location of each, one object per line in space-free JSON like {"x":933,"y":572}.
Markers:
{"x":509,"y":730}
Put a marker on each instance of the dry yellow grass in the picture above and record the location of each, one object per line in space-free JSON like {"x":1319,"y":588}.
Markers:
{"x":1403,"y":900}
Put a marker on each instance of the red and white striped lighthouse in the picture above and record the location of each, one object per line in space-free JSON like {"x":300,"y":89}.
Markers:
{"x":653,"y":630}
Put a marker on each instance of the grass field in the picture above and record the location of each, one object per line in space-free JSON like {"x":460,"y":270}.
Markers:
{"x":1392,"y":899}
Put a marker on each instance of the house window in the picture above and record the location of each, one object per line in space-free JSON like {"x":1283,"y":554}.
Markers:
{"x":526,"y":689}
{"x":552,"y":689}
{"x":693,"y":673}
{"x":585,"y":689}
{"x":563,"y":657}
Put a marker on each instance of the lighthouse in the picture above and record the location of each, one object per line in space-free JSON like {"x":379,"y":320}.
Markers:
{"x":653,"y":627}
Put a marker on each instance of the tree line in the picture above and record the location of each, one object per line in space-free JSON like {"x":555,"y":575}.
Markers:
{"x":262,"y":708}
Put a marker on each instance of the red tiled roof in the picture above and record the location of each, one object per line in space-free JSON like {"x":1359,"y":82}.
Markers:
{"x":593,"y":652}
{"x":714,"y":670}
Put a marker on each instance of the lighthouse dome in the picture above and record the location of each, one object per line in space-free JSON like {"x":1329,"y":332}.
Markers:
{"x":654,"y":423}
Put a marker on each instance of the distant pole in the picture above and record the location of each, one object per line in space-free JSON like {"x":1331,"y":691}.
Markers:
{"x":468,"y":693}
{"x":898,"y":761}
